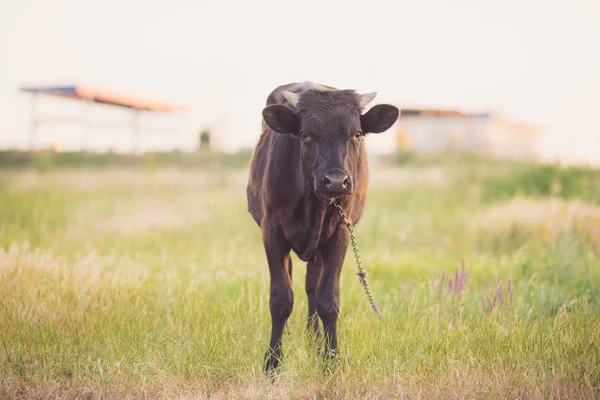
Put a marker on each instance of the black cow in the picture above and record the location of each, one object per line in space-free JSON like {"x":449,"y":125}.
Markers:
{"x":311,"y":150}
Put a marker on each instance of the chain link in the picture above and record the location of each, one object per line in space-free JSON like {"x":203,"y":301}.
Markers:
{"x":362,"y":274}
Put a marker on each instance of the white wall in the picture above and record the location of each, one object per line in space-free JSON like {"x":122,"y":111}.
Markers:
{"x":158,"y":131}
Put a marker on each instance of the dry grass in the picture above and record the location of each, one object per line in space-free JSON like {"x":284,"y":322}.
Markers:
{"x":130,"y":179}
{"x":465,"y":383}
{"x":546,"y":218}
{"x":425,"y":176}
{"x":143,"y":216}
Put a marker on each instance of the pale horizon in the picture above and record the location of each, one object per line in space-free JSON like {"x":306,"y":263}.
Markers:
{"x":534,"y":62}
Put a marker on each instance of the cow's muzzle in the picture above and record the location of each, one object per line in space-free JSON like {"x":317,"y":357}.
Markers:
{"x":333,"y":183}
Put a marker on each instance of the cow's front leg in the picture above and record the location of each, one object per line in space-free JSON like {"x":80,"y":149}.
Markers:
{"x":313,"y":274}
{"x":328,"y":290}
{"x":281,"y":299}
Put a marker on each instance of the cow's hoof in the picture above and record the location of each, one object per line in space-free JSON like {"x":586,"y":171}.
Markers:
{"x":331,"y":360}
{"x":328,"y":354}
{"x":272,"y":362}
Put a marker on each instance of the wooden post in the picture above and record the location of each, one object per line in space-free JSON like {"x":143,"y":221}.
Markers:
{"x":86,"y":123}
{"x":135,"y":130}
{"x":34,"y":122}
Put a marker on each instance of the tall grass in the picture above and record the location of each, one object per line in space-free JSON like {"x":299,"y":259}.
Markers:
{"x":136,"y":284}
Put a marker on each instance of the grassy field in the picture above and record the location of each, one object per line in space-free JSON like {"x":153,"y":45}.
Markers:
{"x":152,"y":283}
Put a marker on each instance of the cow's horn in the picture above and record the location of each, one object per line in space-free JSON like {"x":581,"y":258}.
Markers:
{"x":366,"y":98}
{"x":291,"y":97}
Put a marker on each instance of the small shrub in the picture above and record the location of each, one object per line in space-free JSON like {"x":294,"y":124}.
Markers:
{"x":546,"y":181}
{"x":43,"y":161}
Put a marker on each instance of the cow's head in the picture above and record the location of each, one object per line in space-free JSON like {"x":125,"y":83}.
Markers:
{"x":331,"y":127}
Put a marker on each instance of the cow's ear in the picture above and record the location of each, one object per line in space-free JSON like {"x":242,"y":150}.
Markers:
{"x":379,"y":118}
{"x":281,"y":119}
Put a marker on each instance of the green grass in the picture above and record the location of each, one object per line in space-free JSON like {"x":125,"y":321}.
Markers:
{"x":46,"y":160}
{"x":153,"y":283}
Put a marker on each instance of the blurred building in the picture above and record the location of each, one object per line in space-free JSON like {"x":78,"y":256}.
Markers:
{"x":103,"y":120}
{"x":430,"y":131}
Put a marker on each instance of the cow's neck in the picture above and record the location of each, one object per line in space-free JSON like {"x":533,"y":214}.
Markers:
{"x":314,"y":218}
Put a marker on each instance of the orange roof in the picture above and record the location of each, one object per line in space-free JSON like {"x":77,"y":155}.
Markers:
{"x":83,"y":92}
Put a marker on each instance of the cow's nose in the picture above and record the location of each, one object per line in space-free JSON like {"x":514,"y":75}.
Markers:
{"x":336,"y":183}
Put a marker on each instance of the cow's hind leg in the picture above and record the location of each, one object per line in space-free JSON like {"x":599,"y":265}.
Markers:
{"x":281,"y":299}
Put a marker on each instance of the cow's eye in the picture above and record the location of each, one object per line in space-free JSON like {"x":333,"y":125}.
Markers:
{"x":358,"y":134}
{"x":304,"y":136}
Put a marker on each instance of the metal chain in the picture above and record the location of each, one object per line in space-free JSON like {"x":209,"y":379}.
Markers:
{"x":362,"y":274}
